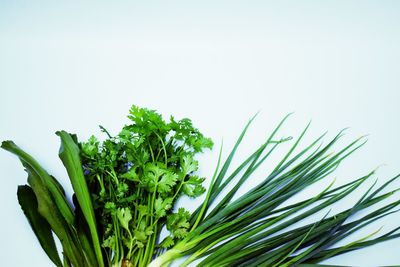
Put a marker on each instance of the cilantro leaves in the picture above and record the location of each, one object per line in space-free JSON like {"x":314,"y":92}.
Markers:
{"x":136,"y":177}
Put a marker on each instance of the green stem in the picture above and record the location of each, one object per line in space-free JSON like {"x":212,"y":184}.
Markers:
{"x":165,"y":151}
{"x":151,"y":152}
{"x":153,"y":242}
{"x":116,"y":256}
{"x":205,"y":203}
{"x":100,"y":179}
{"x":200,"y":252}
{"x":148,"y":253}
{"x":166,"y":258}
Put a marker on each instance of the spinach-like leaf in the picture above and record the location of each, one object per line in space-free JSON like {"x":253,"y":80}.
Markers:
{"x":52,"y":204}
{"x":41,"y":228}
{"x":32,"y":166}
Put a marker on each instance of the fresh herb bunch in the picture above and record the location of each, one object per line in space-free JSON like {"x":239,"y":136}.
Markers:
{"x":136,"y":177}
{"x":125,"y":189}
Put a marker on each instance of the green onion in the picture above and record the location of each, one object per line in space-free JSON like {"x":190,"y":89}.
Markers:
{"x":258,"y":229}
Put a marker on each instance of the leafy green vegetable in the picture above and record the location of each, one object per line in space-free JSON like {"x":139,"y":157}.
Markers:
{"x":69,"y":154}
{"x":53,"y":206}
{"x":41,"y":228}
{"x":83,"y":232}
{"x":256,"y":229}
{"x":135,"y":179}
{"x":32,"y":166}
{"x":126,"y":188}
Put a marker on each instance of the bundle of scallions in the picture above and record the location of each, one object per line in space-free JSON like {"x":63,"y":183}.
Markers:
{"x":126,"y":189}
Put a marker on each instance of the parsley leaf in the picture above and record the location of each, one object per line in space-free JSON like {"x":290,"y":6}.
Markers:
{"x":189,"y":165}
{"x":167,"y":242}
{"x":162,"y":206}
{"x":193,"y":186}
{"x":178,"y":223}
{"x":167,"y":181}
{"x":124,"y":216}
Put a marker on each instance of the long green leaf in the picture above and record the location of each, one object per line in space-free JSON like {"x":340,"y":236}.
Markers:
{"x":83,"y":232}
{"x":50,"y":211}
{"x":52,"y":204}
{"x":41,"y":228}
{"x":32,"y":166}
{"x":69,"y":154}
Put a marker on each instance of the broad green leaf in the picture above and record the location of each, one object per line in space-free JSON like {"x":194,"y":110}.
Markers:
{"x":48,"y":209}
{"x":41,"y":228}
{"x":32,"y":166}
{"x":52,"y":204}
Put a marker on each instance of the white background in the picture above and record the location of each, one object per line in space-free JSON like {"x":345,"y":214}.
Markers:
{"x":72,"y":67}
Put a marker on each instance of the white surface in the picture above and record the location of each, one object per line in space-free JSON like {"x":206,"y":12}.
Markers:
{"x":73,"y":67}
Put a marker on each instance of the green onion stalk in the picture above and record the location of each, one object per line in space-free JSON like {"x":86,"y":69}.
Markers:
{"x":258,"y":228}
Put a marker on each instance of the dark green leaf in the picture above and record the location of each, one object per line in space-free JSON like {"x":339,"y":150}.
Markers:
{"x":69,"y":154}
{"x":32,"y":166}
{"x":41,"y":228}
